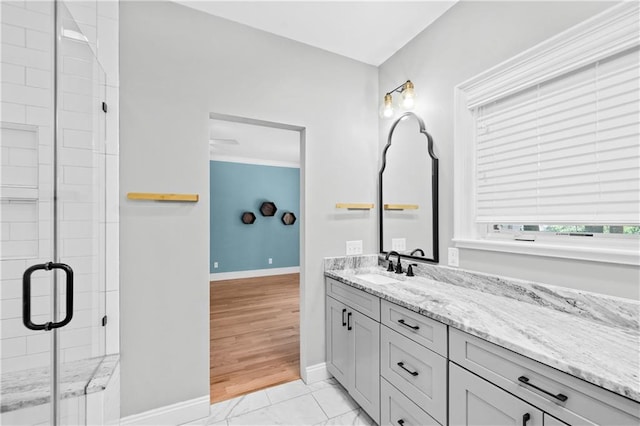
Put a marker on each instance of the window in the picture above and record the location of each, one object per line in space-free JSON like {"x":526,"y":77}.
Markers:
{"x":548,"y":146}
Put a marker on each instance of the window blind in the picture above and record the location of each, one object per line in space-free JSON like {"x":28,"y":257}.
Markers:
{"x":564,"y":151}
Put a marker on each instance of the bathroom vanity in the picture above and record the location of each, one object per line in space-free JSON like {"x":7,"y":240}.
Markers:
{"x":452,"y":347}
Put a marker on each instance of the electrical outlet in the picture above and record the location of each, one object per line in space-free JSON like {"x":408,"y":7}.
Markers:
{"x":453,"y":256}
{"x":399,"y":244}
{"x":354,"y":247}
{"x":215,"y":265}
{"x":270,"y":261}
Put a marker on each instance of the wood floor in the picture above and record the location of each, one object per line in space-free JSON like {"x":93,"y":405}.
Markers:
{"x":255,"y":337}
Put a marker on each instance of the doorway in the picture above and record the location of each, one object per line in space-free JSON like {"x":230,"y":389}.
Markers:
{"x":256,"y":231}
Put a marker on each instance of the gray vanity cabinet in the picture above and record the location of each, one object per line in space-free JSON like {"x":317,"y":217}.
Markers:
{"x":353,"y":344}
{"x":474,"y":401}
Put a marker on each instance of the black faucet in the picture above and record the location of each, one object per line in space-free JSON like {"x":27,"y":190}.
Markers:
{"x":398,"y":269}
{"x":410,"y":270}
{"x":418,"y":250}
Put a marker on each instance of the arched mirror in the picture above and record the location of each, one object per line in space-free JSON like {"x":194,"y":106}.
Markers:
{"x":408,"y":192}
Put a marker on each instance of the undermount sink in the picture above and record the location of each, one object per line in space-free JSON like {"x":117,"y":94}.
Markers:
{"x":376,"y":279}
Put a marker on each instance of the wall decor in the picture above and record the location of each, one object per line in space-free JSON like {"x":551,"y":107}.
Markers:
{"x":248,"y":218}
{"x":288,"y":218}
{"x":268,"y":208}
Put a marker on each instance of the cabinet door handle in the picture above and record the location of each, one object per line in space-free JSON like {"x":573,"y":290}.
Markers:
{"x":349,"y":321}
{"x":401,"y":422}
{"x":344,"y":322}
{"x":560,"y":397}
{"x":413,"y":327}
{"x":525,"y":418}
{"x":413,"y":373}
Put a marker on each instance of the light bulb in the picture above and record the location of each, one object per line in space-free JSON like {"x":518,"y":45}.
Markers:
{"x":386,"y":110}
{"x":408,"y":96}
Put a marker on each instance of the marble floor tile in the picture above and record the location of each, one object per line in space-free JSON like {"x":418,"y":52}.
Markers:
{"x":237,"y":406}
{"x":303,"y":410}
{"x":322,"y":384}
{"x":334,"y":401}
{"x":352,"y":418}
{"x":287,"y":391}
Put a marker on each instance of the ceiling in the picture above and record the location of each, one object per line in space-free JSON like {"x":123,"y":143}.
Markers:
{"x":253,"y":144}
{"x":367,"y":31}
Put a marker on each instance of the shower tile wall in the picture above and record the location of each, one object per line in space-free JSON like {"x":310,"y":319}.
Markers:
{"x":26,"y":156}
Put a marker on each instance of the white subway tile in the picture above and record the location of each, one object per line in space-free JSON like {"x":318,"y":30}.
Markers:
{"x":85,"y":12}
{"x":24,"y":362}
{"x":13,"y":347}
{"x":75,"y":354}
{"x":112,"y":258}
{"x":39,"y":78}
{"x":77,"y":67}
{"x":77,"y":139}
{"x":19,"y":137}
{"x":41,"y":6}
{"x":72,"y":84}
{"x":26,"y":18}
{"x":12,"y":73}
{"x":74,"y":338}
{"x":39,"y":343}
{"x":13,"y":113}
{"x":19,"y":176}
{"x":73,"y":247}
{"x":13,"y":35}
{"x":79,"y":103}
{"x":39,"y":40}
{"x":45,"y":155}
{"x":4,"y":156}
{"x":23,"y":231}
{"x":112,"y":119}
{"x":77,"y":211}
{"x":23,"y":157}
{"x":76,"y":229}
{"x":27,"y":57}
{"x":77,"y":175}
{"x":38,"y":116}
{"x":113,"y":322}
{"x":76,"y":121}
{"x":113,"y":189}
{"x":76,"y":157}
{"x":13,"y":327}
{"x":26,"y":95}
{"x":108,"y":44}
{"x":10,"y":270}
{"x":19,"y":249}
{"x":108,"y":9}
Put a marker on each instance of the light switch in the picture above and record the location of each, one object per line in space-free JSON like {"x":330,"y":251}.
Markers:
{"x":399,"y":244}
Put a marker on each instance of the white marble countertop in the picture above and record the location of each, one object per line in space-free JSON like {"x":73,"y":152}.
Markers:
{"x":28,"y":388}
{"x":593,"y":337}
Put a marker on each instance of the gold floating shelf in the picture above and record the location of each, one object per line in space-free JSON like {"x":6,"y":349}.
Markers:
{"x":354,"y":206}
{"x":162,"y":197}
{"x":401,"y":207}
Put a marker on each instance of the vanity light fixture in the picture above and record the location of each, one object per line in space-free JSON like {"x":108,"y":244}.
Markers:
{"x":408,"y":99}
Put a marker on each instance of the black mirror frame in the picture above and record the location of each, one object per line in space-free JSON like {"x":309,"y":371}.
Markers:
{"x":434,"y":189}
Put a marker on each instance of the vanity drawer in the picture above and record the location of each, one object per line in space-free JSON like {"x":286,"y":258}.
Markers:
{"x":416,"y":371}
{"x":359,"y":300}
{"x":429,"y":333}
{"x":585,"y":403}
{"x":395,"y":408}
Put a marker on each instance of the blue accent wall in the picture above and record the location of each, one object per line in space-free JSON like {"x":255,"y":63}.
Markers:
{"x":236,"y":188}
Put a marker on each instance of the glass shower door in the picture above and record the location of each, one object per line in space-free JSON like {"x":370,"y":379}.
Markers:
{"x":52,"y":214}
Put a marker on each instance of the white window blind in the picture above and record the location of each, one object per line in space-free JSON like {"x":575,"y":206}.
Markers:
{"x":564,"y":151}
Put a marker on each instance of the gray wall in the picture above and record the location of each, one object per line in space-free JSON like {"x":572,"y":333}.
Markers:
{"x":468,"y":39}
{"x":177,"y":66}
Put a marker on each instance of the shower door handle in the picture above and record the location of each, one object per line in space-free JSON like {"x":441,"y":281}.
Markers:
{"x":26,"y":296}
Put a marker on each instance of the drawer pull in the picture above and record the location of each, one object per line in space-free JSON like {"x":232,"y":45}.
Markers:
{"x":525,"y":418}
{"x":401,"y":365}
{"x":413,"y":327}
{"x":559,"y":397}
{"x":401,"y":422}
{"x":344,"y":322}
{"x":349,"y":321}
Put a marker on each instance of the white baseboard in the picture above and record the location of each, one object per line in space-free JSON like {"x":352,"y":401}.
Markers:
{"x":174,"y":414}
{"x":316,"y":373}
{"x":252,"y":274}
